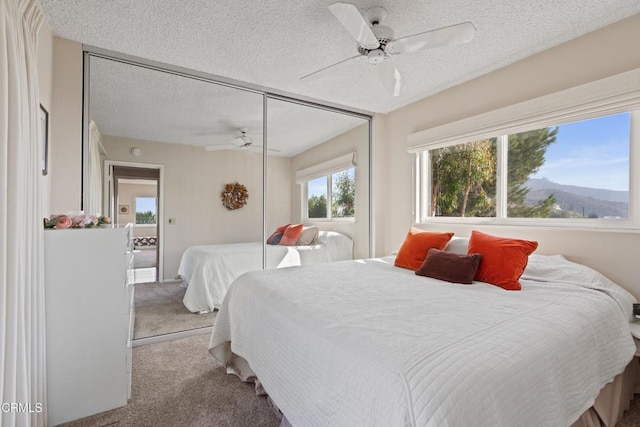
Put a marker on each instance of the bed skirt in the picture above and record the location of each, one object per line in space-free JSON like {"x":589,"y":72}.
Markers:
{"x":614,"y":399}
{"x":609,"y":406}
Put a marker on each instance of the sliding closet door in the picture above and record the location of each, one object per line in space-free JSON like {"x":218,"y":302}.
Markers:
{"x":205,"y":141}
{"x":318,"y":179}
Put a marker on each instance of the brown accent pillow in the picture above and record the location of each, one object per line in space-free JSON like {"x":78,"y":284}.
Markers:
{"x":416,"y":245}
{"x":275,"y":238}
{"x":449,"y":266}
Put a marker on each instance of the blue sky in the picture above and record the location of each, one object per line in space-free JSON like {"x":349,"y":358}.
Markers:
{"x":592,"y":153}
{"x":144,"y":204}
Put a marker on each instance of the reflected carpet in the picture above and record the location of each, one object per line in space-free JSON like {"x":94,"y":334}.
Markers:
{"x":159,"y":310}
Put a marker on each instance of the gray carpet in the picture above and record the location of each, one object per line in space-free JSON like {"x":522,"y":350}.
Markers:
{"x":159,"y":310}
{"x":144,"y":258}
{"x":178,"y":383}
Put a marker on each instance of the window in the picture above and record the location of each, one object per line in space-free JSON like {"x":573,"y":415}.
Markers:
{"x":463,"y":179}
{"x":146,"y":211}
{"x":573,"y":171}
{"x":577,"y":170}
{"x":337,"y":190}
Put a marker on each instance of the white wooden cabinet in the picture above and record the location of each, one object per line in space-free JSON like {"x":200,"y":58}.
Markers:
{"x":89,"y":321}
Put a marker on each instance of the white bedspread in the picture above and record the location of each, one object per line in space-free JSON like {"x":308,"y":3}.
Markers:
{"x":210,"y":269}
{"x":362,"y":343}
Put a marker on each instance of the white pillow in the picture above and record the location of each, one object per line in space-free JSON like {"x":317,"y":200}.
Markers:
{"x":308,"y":236}
{"x":458,"y":245}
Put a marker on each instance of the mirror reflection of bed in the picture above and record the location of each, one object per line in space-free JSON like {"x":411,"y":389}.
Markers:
{"x":199,"y":137}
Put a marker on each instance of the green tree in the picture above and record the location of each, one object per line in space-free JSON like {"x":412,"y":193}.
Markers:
{"x":343,"y":196}
{"x":464,"y":176}
{"x":147,"y":217}
{"x":526,"y":155}
{"x":461,"y":179}
{"x":317,"y":206}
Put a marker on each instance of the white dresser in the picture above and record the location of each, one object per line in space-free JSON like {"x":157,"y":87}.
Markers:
{"x":89,"y":321}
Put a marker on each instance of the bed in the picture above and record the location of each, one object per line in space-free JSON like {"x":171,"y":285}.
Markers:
{"x":209,"y":270}
{"x":366,"y":343}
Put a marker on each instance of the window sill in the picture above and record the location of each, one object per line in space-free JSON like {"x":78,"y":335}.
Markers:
{"x":612,"y":225}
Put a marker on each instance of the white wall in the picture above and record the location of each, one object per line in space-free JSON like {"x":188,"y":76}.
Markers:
{"x":194,"y":179}
{"x":65,"y":151}
{"x":45,"y":83}
{"x":354,"y":140}
{"x":606,"y":52}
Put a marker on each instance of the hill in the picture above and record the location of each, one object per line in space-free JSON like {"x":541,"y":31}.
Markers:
{"x":594,"y":193}
{"x":578,"y":202}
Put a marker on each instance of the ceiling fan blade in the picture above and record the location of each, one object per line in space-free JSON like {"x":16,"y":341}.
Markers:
{"x":454,"y":34}
{"x":355,"y":24}
{"x":321,"y":72}
{"x":260,"y":147}
{"x":390,"y":76}
{"x":216,"y":147}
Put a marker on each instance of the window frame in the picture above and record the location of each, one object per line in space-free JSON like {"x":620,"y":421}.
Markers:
{"x":135,"y":211}
{"x":305,"y":198}
{"x":422,"y":182}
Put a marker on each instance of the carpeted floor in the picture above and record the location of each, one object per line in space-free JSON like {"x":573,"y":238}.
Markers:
{"x":178,"y":383}
{"x":159,"y":310}
{"x":144,"y":258}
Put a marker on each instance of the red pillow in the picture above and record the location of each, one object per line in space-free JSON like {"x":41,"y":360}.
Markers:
{"x":291,"y":235}
{"x":416,"y":245}
{"x":282,"y":228}
{"x":503,"y":259}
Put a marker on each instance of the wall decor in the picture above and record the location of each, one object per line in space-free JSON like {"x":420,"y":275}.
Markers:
{"x":123,"y":209}
{"x":234,"y":196}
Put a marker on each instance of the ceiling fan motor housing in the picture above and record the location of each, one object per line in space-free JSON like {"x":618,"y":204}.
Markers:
{"x":384,"y":35}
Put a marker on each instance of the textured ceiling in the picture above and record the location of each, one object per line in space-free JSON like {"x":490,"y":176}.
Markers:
{"x":274,"y":43}
{"x":142,"y":103}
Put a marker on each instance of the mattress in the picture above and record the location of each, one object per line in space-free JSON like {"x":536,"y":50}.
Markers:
{"x":366,"y":343}
{"x":209,"y":270}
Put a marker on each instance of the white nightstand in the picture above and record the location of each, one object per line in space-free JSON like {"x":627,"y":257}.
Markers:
{"x":635,"y":331}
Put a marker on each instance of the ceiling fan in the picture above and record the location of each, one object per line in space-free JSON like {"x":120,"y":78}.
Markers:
{"x":377,"y":43}
{"x":241,"y":142}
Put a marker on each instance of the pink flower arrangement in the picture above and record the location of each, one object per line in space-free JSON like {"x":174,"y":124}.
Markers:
{"x":81,"y":220}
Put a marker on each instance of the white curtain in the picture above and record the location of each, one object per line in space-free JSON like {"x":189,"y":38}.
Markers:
{"x":22,"y":335}
{"x":94,"y":187}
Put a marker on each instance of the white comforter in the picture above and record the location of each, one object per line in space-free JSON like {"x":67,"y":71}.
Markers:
{"x":210,"y":269}
{"x":363,"y":343}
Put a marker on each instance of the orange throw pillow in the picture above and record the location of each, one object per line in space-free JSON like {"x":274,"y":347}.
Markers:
{"x":416,"y":245}
{"x":282,"y":228}
{"x":503,"y":259}
{"x":291,"y":235}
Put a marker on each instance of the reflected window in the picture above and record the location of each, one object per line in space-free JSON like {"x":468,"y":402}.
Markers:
{"x":337,"y":190}
{"x":317,"y":198}
{"x":146,"y":212}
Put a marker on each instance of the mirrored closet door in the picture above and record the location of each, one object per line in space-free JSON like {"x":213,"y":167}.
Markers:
{"x":180,"y":158}
{"x":317,"y":182}
{"x":183,"y":158}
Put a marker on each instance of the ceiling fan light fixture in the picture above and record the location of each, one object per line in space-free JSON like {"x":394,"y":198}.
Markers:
{"x":378,"y":43}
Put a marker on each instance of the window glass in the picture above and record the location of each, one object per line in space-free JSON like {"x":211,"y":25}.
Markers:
{"x":343,"y":194}
{"x":575,"y":170}
{"x":463,"y":180}
{"x":145,"y":210}
{"x":317,"y":198}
